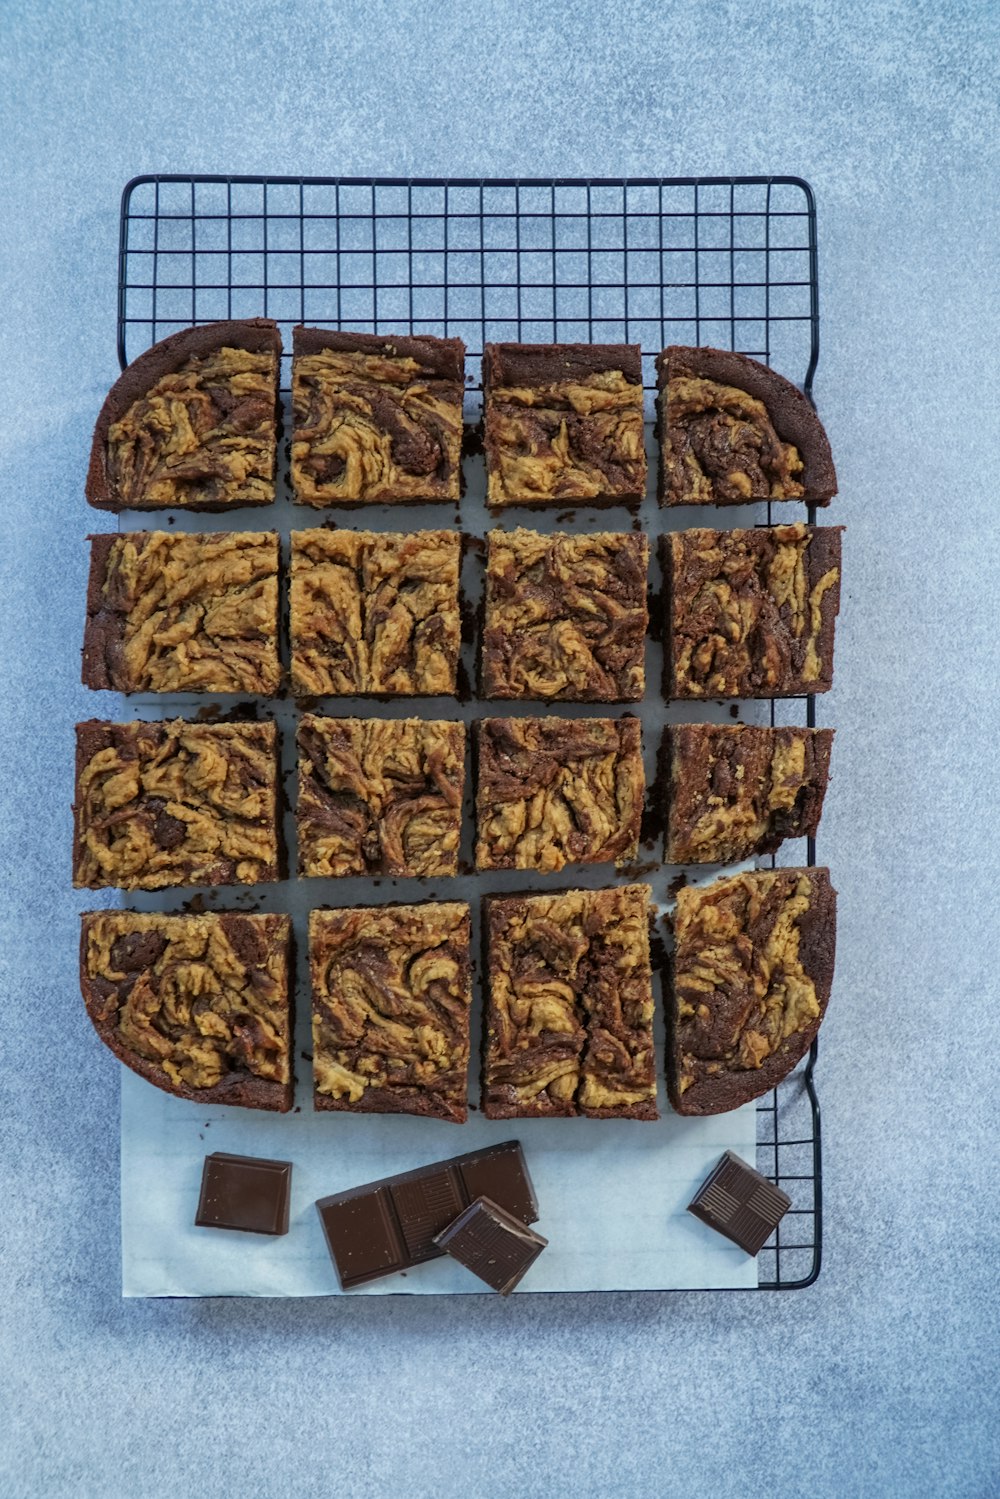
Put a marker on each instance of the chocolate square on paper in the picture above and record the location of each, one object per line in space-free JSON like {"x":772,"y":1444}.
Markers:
{"x":494,"y":1245}
{"x":245,"y":1193}
{"x":738,"y":1202}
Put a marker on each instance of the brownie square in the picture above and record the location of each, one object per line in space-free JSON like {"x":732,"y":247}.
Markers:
{"x":563,"y":424}
{"x":170,"y":612}
{"x":192,"y":424}
{"x":200,"y":1004}
{"x":375,"y":612}
{"x":565,"y":616}
{"x":379,"y":796}
{"x":569,"y":1013}
{"x":751,"y":613}
{"x":378,"y":418}
{"x":732,"y":431}
{"x":737,"y":790}
{"x":392,"y":994}
{"x":751,"y":977}
{"x":175,"y":803}
{"x":553,"y":791}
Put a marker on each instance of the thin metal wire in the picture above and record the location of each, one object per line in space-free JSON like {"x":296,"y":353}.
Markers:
{"x":683,"y":225}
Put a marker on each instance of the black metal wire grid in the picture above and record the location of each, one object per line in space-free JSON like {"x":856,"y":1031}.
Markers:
{"x":728,"y":261}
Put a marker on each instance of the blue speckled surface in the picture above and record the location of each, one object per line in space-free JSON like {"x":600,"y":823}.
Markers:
{"x":882,"y":1380}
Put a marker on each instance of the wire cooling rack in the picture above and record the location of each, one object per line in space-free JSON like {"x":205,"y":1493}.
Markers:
{"x":729,"y":262}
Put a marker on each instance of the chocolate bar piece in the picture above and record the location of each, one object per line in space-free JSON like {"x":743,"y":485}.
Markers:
{"x":740,"y":1203}
{"x":244,"y":1192}
{"x":391,"y":1224}
{"x":492,"y":1244}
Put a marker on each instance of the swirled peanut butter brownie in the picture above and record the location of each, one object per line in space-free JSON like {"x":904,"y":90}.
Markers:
{"x":554,"y":791}
{"x":169,"y":612}
{"x":192,"y":424}
{"x":563,"y":424}
{"x":378,"y":418}
{"x":200,"y":1005}
{"x":751,"y":613}
{"x":732,"y":430}
{"x":375,"y":612}
{"x":391,"y":999}
{"x":736,"y":790}
{"x":175,"y":803}
{"x":569,"y":1014}
{"x":565,"y":616}
{"x":379,"y":796}
{"x":751,"y":976}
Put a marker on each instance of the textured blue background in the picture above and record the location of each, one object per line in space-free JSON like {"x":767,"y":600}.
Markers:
{"x":882,"y":1380}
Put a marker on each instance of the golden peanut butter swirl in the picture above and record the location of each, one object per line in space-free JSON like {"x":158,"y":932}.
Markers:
{"x":752,"y":612}
{"x":185,"y":613}
{"x":571,"y":1006}
{"x":721,"y":447}
{"x":553,"y":791}
{"x":375,"y":612}
{"x":391,"y":1000}
{"x":565,"y":616}
{"x":373,"y":428}
{"x":204,"y":435}
{"x":752,"y":963}
{"x":565,"y":440}
{"x":379,"y":796}
{"x":201,"y":997}
{"x":175,"y":803}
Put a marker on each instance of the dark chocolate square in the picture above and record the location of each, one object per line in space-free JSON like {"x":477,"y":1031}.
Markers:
{"x":741,"y":1204}
{"x":362,"y":1236}
{"x":497,"y":1247}
{"x":424,"y":1206}
{"x":245,"y":1193}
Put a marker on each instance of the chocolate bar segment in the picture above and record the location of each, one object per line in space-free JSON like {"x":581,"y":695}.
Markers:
{"x":738,"y":1202}
{"x":245,"y":1193}
{"x":392,"y":1224}
{"x":492,"y":1244}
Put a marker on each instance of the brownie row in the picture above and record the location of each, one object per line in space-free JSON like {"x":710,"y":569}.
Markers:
{"x":174,"y":803}
{"x":201,"y":1004}
{"x":193,"y":423}
{"x":749,"y":613}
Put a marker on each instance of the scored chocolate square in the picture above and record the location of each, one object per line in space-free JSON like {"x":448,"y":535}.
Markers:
{"x":391,"y":1001}
{"x":246,"y":1193}
{"x":379,"y":796}
{"x":375,"y":612}
{"x":378,"y":418}
{"x":563,"y":424}
{"x":553,"y":791}
{"x":492,"y":1244}
{"x":740,"y":1203}
{"x":565,"y":616}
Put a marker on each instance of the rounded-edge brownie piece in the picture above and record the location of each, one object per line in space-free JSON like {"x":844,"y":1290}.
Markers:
{"x":254,"y":335}
{"x":440,"y":358}
{"x":793,"y":415}
{"x":817,"y":932}
{"x":244,"y":1090}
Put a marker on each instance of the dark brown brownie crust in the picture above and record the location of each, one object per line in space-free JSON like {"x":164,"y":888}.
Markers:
{"x":736,"y":790}
{"x":438,"y":358}
{"x":792,"y":414}
{"x":729,"y":632}
{"x":257,"y":942}
{"x":378,"y":973}
{"x":779,"y":924}
{"x":584,"y":954}
{"x":250,"y":753}
{"x":256,"y":335}
{"x":563,"y":425}
{"x":241,"y":656}
{"x":552,"y":791}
